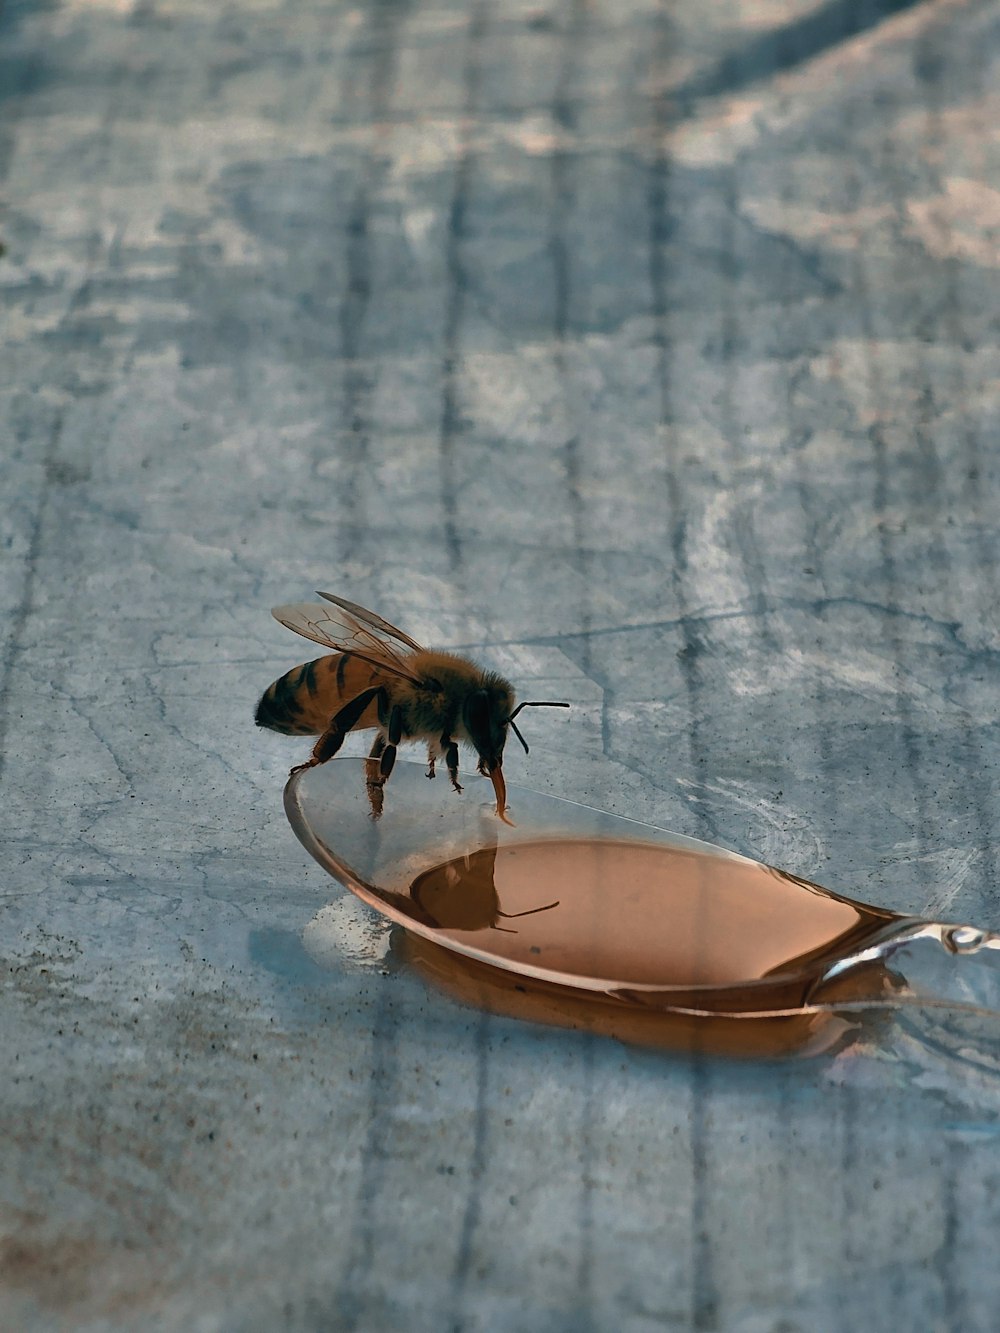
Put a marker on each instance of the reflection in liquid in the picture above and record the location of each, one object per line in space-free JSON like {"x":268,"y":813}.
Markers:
{"x":462,"y":894}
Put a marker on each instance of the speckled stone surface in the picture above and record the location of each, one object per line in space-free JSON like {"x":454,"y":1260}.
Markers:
{"x":647,"y":352}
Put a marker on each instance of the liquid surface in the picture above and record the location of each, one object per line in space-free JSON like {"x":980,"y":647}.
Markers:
{"x":642,"y":915}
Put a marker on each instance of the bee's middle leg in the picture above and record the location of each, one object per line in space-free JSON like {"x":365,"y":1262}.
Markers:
{"x":451,"y":760}
{"x":374,"y":779}
{"x":372,"y":768}
{"x":394,"y":735}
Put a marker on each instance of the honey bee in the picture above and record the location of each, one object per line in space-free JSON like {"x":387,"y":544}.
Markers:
{"x":378,"y":677}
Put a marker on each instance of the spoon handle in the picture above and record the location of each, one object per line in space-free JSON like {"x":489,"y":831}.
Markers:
{"x":922,"y":963}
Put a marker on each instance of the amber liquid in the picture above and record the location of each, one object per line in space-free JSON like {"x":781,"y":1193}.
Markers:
{"x":661,"y":928}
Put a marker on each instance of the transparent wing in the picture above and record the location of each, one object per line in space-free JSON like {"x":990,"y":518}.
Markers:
{"x":344,"y":633}
{"x":373,"y":621}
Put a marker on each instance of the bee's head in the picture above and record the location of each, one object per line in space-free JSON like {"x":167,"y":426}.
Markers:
{"x":487,"y":714}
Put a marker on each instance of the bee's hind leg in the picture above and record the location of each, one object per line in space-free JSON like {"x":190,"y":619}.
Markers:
{"x":325,"y":748}
{"x":336,"y":733}
{"x":432,"y":754}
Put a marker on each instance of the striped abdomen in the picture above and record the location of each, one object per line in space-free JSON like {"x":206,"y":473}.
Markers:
{"x":303,"y":700}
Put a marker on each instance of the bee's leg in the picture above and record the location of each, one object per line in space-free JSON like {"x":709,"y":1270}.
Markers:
{"x":372,"y":774}
{"x":395,"y":732}
{"x":340,"y":724}
{"x":451,"y":759}
{"x":374,"y":782}
{"x":431,"y":760}
{"x":378,"y":745}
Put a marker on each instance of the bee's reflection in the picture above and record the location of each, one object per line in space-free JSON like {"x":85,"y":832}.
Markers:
{"x":462,"y":894}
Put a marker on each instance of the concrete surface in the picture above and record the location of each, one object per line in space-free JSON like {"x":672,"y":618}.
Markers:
{"x":648,"y":351}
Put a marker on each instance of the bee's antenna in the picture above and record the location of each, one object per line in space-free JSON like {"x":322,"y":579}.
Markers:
{"x":518,"y":735}
{"x":535,"y":703}
{"x":530,"y":703}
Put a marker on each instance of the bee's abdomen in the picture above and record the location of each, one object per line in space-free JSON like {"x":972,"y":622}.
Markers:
{"x":291,"y":703}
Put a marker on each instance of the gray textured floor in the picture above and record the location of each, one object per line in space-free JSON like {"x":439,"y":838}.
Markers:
{"x":650,"y":352}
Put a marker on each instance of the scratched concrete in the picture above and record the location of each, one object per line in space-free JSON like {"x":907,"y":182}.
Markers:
{"x":651,"y":352}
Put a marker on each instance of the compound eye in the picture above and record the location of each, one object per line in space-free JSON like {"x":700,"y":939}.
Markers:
{"x":477,"y":720}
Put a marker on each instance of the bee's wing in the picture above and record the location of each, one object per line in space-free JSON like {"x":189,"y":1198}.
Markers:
{"x":373,"y":621}
{"x":342,"y":632}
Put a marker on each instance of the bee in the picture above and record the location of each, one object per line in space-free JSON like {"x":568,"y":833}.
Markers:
{"x":378,"y":677}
